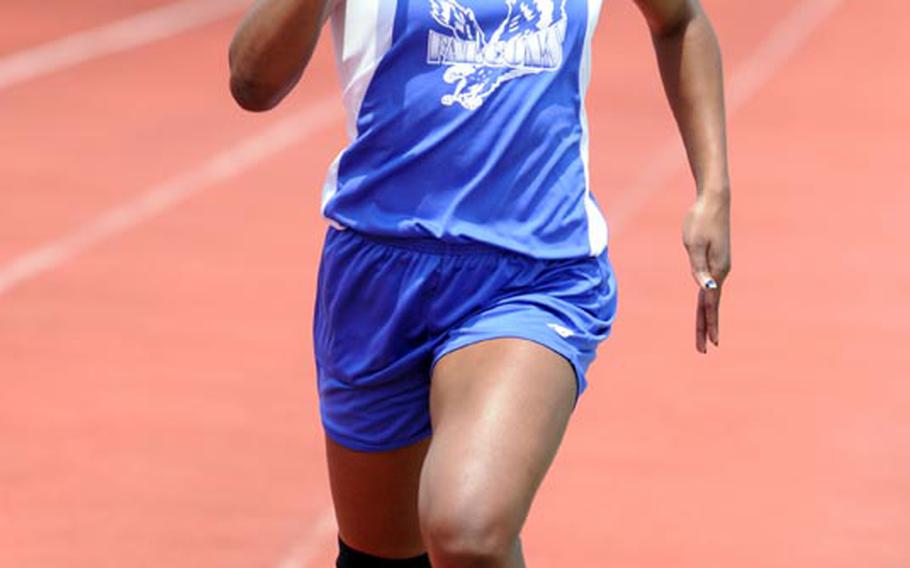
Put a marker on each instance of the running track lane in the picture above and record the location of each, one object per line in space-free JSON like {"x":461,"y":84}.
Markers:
{"x":789,"y":446}
{"x":122,"y":461}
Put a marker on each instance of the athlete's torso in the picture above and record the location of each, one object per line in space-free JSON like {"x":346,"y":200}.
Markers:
{"x":467,"y":123}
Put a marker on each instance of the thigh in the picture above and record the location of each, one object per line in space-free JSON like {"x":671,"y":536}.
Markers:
{"x":499,"y":409}
{"x":372,"y":346}
{"x":375,"y":498}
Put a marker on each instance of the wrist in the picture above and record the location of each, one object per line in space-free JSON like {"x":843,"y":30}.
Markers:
{"x":718,"y":189}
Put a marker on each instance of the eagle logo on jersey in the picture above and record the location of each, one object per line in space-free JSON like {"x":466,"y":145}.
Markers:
{"x":528,"y":41}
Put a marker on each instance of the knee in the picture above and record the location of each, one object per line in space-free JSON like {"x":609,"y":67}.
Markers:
{"x":469,"y":539}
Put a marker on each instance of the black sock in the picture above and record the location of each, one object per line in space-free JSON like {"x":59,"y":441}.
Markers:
{"x":350,"y":558}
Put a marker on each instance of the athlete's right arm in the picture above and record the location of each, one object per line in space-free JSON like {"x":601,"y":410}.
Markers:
{"x":271,"y":48}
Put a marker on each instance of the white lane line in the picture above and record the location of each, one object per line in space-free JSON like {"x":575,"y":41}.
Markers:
{"x":171,"y":193}
{"x":134,"y":31}
{"x":785,"y":38}
{"x":307,"y":550}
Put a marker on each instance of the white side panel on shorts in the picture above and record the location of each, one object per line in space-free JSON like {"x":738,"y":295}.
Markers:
{"x":597,"y":226}
{"x":362,"y":31}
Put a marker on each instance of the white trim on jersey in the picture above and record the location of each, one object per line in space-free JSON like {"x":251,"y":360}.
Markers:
{"x":362,"y":32}
{"x":597,"y":225}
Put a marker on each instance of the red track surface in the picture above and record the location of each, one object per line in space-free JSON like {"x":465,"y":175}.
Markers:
{"x":157,"y":405}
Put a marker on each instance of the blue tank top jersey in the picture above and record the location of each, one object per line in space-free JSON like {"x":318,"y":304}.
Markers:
{"x":467,"y":123}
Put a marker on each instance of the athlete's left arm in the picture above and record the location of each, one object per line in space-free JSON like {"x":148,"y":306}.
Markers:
{"x":690,"y":64}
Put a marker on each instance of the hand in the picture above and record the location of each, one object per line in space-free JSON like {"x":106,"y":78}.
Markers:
{"x":706,"y":235}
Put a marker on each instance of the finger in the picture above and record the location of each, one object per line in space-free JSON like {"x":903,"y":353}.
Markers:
{"x":698,"y":259}
{"x":712,"y":314}
{"x":719,"y":263}
{"x":700,"y":324}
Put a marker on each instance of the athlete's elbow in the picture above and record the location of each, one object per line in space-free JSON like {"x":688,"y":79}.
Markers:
{"x":253,"y":95}
{"x":253,"y":85}
{"x":674,"y":23}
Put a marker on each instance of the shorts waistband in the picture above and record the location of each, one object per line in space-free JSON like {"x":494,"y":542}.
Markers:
{"x":431,"y":245}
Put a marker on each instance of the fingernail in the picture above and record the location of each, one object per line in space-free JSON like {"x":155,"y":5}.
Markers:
{"x":710,"y":284}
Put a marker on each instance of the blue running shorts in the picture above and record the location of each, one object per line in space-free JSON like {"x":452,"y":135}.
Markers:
{"x":388,"y":308}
